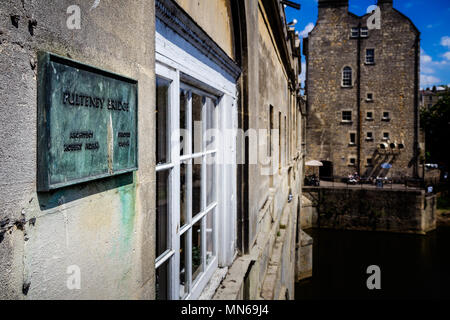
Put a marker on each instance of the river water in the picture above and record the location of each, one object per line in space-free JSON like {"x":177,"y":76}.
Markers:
{"x":412,"y":266}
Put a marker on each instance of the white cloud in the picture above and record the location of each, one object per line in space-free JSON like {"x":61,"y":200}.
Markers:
{"x":302,"y":76}
{"x":426,"y":80}
{"x":307,"y":30}
{"x":447,"y":55}
{"x":445,"y":41}
{"x":424,"y":58}
{"x":426,"y":69}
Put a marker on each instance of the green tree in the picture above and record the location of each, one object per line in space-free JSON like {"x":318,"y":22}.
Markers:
{"x":436,"y":124}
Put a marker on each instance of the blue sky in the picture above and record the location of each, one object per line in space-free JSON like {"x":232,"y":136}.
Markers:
{"x":431,"y":17}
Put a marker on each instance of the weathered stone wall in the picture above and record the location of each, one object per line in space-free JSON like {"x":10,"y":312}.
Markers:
{"x":373,"y":210}
{"x":214,"y":16}
{"x":105,"y":227}
{"x":390,"y":80}
{"x":268,"y":270}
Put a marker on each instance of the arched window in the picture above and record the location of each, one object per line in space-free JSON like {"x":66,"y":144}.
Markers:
{"x":347,"y":77}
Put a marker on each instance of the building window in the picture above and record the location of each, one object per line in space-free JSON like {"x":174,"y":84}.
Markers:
{"x":369,"y":162}
{"x":279,"y":142}
{"x":192,"y":178}
{"x":347,"y":77}
{"x":346,"y":116}
{"x":369,"y":136}
{"x":369,"y":97}
{"x":385,"y":136}
{"x":190,"y":241}
{"x":352,"y":161}
{"x":352,"y":138}
{"x":369,"y":115}
{"x":355,"y":33}
{"x":364,"y":32}
{"x":386,"y":116}
{"x":370,"y":56}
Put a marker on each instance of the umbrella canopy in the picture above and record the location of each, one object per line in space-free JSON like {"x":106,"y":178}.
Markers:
{"x":386,"y":165}
{"x":314,"y":163}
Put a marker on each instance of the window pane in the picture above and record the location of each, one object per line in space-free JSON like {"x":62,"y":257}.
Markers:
{"x":184,"y":135}
{"x":183,"y":263}
{"x":347,"y":76}
{"x":196,"y":189}
{"x":197,"y":267}
{"x":162,"y":211}
{"x":162,"y":282}
{"x":197,"y":107}
{"x":210,"y":179}
{"x":210,"y":250}
{"x":162,"y":105}
{"x":210,"y":114}
{"x":184,"y":192}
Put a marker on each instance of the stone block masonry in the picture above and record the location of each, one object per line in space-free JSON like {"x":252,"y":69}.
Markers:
{"x":402,"y":211}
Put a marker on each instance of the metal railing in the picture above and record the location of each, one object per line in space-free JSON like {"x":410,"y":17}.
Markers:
{"x":394,"y":183}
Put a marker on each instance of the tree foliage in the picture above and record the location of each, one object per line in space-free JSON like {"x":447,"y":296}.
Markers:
{"x":436,"y":124}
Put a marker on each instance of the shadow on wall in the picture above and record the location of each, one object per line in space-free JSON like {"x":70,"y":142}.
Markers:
{"x":377,"y":160}
{"x":55,"y":198}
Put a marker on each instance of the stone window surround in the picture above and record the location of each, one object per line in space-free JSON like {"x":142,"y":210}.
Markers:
{"x":365,"y":59}
{"x":364,"y":32}
{"x":370,"y":118}
{"x":352,"y":76}
{"x":383,"y":137}
{"x":367,"y":162}
{"x":383,"y":118}
{"x":371,"y":138}
{"x":367,"y":97}
{"x":342,"y":116}
{"x":350,"y":164}
{"x":352,"y":144}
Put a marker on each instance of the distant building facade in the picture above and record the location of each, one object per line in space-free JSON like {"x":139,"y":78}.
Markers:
{"x":362,"y":88}
{"x":428,"y":98}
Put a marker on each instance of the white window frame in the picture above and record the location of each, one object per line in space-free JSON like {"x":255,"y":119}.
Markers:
{"x":350,"y":138}
{"x":345,"y":77}
{"x":345,"y":120}
{"x":367,"y":56}
{"x":354,"y":32}
{"x":188,"y":70}
{"x":364,"y":32}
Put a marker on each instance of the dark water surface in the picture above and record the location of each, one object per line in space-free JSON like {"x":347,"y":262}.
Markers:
{"x":412,"y":266}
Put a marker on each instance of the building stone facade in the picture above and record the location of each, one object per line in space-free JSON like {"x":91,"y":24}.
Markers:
{"x":126,"y":234}
{"x":359,"y":115}
{"x":428,"y":98}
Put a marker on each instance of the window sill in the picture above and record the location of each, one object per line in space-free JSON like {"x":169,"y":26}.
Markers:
{"x":352,"y":144}
{"x":346,"y":87}
{"x":369,"y":139}
{"x":369,"y":63}
{"x":369,"y":119}
{"x":386,"y":119}
{"x":369,"y":100}
{"x":346,"y":122}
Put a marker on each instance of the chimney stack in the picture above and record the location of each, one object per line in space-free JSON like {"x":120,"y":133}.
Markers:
{"x":333,"y":4}
{"x":385,"y":3}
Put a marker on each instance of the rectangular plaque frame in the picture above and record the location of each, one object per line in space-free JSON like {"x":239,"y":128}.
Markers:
{"x":87,"y":123}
